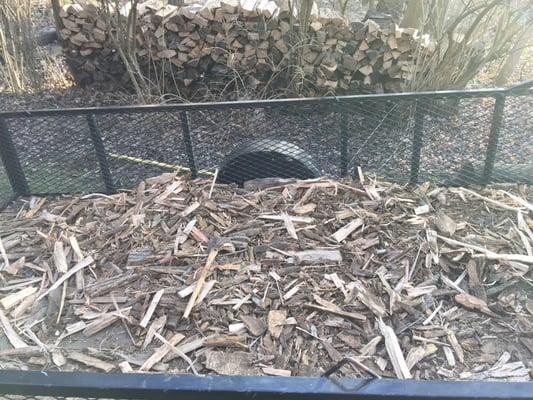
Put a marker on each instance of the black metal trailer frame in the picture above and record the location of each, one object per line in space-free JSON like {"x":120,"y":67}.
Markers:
{"x":185,"y":387}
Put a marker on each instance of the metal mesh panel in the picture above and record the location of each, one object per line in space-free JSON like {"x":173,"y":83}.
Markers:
{"x":6,"y":193}
{"x":142,"y":145}
{"x":56,"y":154}
{"x":458,"y":138}
{"x":456,"y":132}
{"x":515,"y":146}
{"x":312,"y":128}
{"x":379,"y":134}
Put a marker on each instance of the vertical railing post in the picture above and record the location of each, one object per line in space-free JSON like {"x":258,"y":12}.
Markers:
{"x":494,"y":136}
{"x":343,"y":140}
{"x":11,"y":161}
{"x":418,"y":135}
{"x":101,"y":155}
{"x":188,"y":143}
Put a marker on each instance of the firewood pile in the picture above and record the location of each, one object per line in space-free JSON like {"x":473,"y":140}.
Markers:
{"x":279,"y":278}
{"x":267,"y":46}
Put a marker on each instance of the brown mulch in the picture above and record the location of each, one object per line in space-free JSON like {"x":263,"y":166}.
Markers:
{"x":186,"y":277}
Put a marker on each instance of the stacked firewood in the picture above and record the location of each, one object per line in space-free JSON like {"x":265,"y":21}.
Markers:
{"x":265,"y":44}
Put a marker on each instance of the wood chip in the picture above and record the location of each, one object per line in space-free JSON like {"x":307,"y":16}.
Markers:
{"x":82,"y":264}
{"x":276,"y":319}
{"x":10,"y":333}
{"x":90,"y":361}
{"x":161,"y":352}
{"x":14,"y":298}
{"x":456,"y":346}
{"x":255,"y":325}
{"x":394,"y":351}
{"x":347,"y":230}
{"x":150,"y":311}
{"x":276,"y":371}
{"x":473,"y":303}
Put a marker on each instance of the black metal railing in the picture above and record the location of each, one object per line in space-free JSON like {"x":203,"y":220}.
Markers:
{"x":450,"y":137}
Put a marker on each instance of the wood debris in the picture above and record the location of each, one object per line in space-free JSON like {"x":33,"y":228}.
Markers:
{"x":263,"y":290}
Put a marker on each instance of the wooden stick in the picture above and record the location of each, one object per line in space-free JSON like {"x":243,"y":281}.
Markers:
{"x":82,"y":264}
{"x":488,"y":200}
{"x":151,"y":308}
{"x":161,"y":352}
{"x":14,"y":298}
{"x":213,"y":184}
{"x":4,"y":255}
{"x":394,"y":351}
{"x":289,"y":226}
{"x":206,"y":270}
{"x":178,"y":352}
{"x":11,"y":335}
{"x":488,"y":253}
{"x":347,"y":230}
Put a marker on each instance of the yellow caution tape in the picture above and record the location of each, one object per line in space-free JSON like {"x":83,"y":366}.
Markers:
{"x":178,"y":168}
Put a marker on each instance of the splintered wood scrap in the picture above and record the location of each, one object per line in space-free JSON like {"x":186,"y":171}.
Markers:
{"x":394,"y":351}
{"x":161,"y":352}
{"x":418,"y":353}
{"x":90,"y":361}
{"x":60,"y":260}
{"x":14,"y":267}
{"x":15,"y":298}
{"x":80,"y":279}
{"x":189,"y":346}
{"x":448,"y":353}
{"x":276,"y":371}
{"x":433,"y":314}
{"x":190,"y":209}
{"x":10,"y":333}
{"x":334,"y":309}
{"x":317,"y":256}
{"x":369,"y":349}
{"x":369,"y":299}
{"x":178,"y":352}
{"x":456,"y":346}
{"x":204,"y":273}
{"x":489,"y":200}
{"x":289,"y":226}
{"x":347,"y":230}
{"x":183,"y":234}
{"x":489,"y":254}
{"x":79,"y":266}
{"x":474,"y":303}
{"x":125,"y":367}
{"x":293,"y":219}
{"x":151,"y":308}
{"x":276,"y":319}
{"x":156,"y":326}
{"x":4,"y":256}
{"x":104,"y":321}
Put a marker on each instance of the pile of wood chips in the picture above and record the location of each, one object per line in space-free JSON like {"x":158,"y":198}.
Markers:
{"x":190,"y":277}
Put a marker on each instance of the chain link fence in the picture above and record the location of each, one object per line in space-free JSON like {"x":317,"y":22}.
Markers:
{"x":451,"y":138}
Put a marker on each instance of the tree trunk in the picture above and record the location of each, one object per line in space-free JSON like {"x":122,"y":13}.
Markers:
{"x":56,"y":8}
{"x":513,"y":59}
{"x":394,"y":8}
{"x":414,"y":14}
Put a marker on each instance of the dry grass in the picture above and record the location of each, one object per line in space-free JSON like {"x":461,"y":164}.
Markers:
{"x":17,"y":46}
{"x":466,"y":37}
{"x":24,"y":66}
